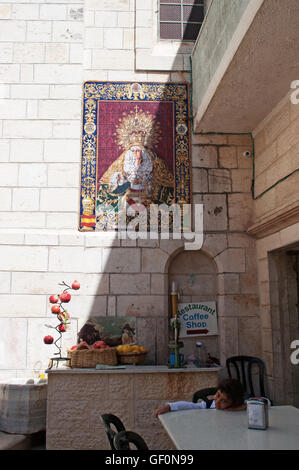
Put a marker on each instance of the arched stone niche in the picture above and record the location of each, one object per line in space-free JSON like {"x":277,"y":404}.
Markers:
{"x":196,"y":276}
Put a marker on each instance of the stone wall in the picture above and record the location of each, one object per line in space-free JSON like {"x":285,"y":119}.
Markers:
{"x":132,"y":397}
{"x":276,"y":156}
{"x":47,"y":51}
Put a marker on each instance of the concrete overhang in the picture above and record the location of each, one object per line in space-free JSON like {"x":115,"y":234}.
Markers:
{"x":255,"y":71}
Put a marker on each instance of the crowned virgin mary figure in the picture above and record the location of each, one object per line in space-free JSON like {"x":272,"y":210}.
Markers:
{"x":138,"y":177}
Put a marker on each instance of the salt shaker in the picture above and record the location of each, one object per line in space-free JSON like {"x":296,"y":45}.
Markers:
{"x":257,"y":413}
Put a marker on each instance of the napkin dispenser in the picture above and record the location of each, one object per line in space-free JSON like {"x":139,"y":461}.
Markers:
{"x":257,"y":413}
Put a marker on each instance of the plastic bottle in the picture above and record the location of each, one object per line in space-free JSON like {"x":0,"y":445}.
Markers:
{"x":200,"y":354}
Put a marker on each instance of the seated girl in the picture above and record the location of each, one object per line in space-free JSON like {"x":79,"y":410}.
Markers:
{"x":229,"y":396}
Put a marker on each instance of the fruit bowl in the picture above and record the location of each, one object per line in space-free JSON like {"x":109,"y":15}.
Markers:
{"x":131,"y":354}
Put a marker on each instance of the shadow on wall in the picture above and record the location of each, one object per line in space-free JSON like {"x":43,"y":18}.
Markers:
{"x":136,"y":166}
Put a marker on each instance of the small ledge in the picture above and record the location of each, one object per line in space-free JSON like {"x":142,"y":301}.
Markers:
{"x":134,"y":370}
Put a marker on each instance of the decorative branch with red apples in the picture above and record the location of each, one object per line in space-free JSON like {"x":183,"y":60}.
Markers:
{"x":58,"y":309}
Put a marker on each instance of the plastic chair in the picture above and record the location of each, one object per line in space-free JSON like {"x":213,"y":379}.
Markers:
{"x":123,"y":439}
{"x":243,"y":366}
{"x":108,"y":420}
{"x":204,"y":394}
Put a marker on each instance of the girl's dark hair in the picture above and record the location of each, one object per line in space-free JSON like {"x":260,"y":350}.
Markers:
{"x":234,"y":391}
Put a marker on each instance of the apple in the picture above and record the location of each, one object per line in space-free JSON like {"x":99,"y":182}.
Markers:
{"x":48,"y":339}
{"x":61,"y":328}
{"x":76,"y":285}
{"x":65,"y":297}
{"x":53,"y":299}
{"x":55,"y":309}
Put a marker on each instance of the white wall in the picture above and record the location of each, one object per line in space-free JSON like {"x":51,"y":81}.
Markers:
{"x":47,"y":50}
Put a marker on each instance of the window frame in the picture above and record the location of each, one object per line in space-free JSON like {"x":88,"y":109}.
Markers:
{"x":181,"y":3}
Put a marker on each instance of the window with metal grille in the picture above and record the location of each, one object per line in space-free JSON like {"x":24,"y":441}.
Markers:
{"x":181,"y":19}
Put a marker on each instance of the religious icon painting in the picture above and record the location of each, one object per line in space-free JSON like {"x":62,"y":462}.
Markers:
{"x":135,"y":156}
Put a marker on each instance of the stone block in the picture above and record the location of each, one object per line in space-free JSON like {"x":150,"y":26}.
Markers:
{"x":27,"y":129}
{"x":146,"y":333}
{"x":59,"y":200}
{"x":52,"y":12}
{"x":241,"y":180}
{"x":219,"y":181}
{"x":214,"y":244}
{"x":113,"y":38}
{"x":130,"y":283}
{"x":8,"y":174}
{"x":119,"y":60}
{"x":13,"y":31}
{"x":29,"y":53}
{"x":58,"y":73}
{"x":67,"y":31}
{"x":5,"y":199}
{"x":57,"y":53}
{"x":209,"y":139}
{"x":26,"y":150}
{"x":249,"y":335}
{"x":25,"y":199}
{"x":240,"y":211}
{"x":244,"y":161}
{"x":39,"y":31}
{"x":66,"y":150}
{"x":12,"y":109}
{"x":288,"y":138}
{"x":121,"y":260}
{"x":102,"y":18}
{"x":151,"y":386}
{"x":94,"y":38}
{"x":21,"y":305}
{"x":59,"y":109}
{"x":141,"y":305}
{"x":239,"y":139}
{"x":204,"y":156}
{"x":21,"y":258}
{"x":4,"y":150}
{"x":228,"y":157}
{"x":153,"y":260}
{"x":10,"y":73}
{"x":33,"y":174}
{"x":22,"y":220}
{"x":10,"y":354}
{"x":238,"y":306}
{"x":199,"y":180}
{"x":65,"y":220}
{"x":102,"y":239}
{"x":159,"y":284}
{"x":228,"y":284}
{"x":65,"y":175}
{"x":231,"y":260}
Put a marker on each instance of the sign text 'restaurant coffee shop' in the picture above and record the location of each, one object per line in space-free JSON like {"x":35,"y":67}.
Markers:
{"x":198,"y":319}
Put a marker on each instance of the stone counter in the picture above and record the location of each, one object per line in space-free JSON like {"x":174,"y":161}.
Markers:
{"x":77,"y":398}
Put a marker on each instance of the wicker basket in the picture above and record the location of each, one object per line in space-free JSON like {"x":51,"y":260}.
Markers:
{"x":89,"y":358}
{"x":131,"y":358}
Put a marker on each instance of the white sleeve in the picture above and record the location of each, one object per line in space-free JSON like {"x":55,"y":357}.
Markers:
{"x":186,"y":405}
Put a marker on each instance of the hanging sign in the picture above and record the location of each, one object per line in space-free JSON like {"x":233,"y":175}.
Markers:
{"x":198,"y":319}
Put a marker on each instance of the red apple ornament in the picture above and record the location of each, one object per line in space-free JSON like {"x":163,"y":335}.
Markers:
{"x":76,"y":285}
{"x":53,"y":299}
{"x":65,"y":297}
{"x":48,"y":339}
{"x":55,"y":309}
{"x":61,"y":328}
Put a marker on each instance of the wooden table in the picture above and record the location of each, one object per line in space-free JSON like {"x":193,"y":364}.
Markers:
{"x":227,"y":430}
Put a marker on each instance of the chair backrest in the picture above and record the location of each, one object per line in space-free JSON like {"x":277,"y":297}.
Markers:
{"x":108,"y":420}
{"x":243,"y":365}
{"x":204,"y":394}
{"x":123,"y":439}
